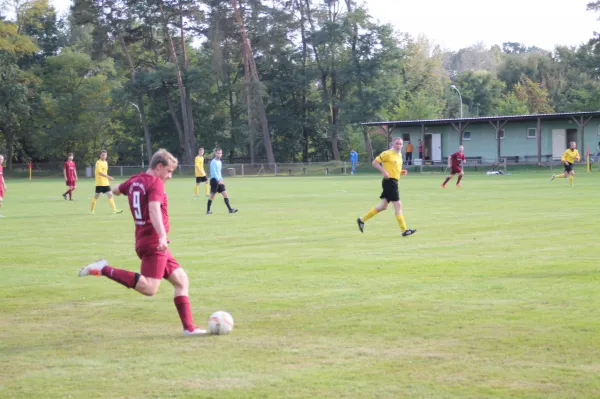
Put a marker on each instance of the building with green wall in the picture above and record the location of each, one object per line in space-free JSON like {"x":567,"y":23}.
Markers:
{"x":520,"y":138}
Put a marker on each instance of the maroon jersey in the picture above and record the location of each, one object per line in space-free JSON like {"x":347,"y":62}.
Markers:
{"x":141,"y":189}
{"x":69,"y":167}
{"x":456,"y":159}
{"x":1,"y":180}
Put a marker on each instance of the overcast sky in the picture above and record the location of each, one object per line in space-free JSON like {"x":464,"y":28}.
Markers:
{"x":454,"y":24}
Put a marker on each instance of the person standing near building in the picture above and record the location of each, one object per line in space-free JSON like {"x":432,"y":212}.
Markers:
{"x":353,"y":160}
{"x":409,"y":151}
{"x":420,"y":149}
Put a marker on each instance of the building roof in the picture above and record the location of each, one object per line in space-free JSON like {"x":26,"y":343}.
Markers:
{"x":561,"y":115}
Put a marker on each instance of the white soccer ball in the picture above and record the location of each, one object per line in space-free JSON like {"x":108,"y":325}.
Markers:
{"x":220,"y":323}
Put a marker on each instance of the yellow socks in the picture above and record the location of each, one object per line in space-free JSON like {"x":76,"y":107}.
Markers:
{"x":93,"y":206}
{"x":559,"y":176}
{"x":369,"y":215}
{"x":571,"y":180}
{"x":401,"y":222}
{"x":112,"y":204}
{"x":207,"y":189}
{"x":196,"y":190}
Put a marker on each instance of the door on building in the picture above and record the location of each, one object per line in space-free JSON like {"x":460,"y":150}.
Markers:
{"x":559,"y":142}
{"x":571,"y":136}
{"x":433,"y":147}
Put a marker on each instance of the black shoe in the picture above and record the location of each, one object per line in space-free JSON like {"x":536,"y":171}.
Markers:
{"x":233,"y":210}
{"x":209,"y":212}
{"x":361,"y":224}
{"x":409,"y":232}
{"x":64,"y":196}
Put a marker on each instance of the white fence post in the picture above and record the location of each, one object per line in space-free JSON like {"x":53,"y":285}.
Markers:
{"x":121,"y":171}
{"x":242,"y":169}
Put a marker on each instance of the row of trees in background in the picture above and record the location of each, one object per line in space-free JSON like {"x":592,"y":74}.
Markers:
{"x":283,"y":80}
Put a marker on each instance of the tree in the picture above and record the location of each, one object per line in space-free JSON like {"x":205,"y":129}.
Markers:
{"x":534,"y":95}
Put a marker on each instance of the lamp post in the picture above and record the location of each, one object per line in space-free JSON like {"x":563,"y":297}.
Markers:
{"x":140,"y":114}
{"x":460,"y":97}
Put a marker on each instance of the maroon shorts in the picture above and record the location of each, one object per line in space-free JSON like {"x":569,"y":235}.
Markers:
{"x":155,"y":263}
{"x":71,"y":183}
{"x":1,"y":193}
{"x":456,"y":170}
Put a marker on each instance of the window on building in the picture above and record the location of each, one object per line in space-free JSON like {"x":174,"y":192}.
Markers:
{"x":466,"y":135}
{"x":598,"y":130}
{"x":406,"y":137}
{"x":531,"y":133}
{"x":501,"y":134}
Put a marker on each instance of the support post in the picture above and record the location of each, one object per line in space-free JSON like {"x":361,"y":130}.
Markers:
{"x":539,"y":140}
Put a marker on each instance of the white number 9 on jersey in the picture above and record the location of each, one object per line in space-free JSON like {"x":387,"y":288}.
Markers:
{"x":137,"y":206}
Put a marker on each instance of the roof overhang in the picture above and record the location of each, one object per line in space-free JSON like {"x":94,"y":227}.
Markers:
{"x":557,"y":116}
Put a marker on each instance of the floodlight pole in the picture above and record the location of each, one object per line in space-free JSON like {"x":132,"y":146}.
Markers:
{"x":460,"y":97}
{"x":140,"y":114}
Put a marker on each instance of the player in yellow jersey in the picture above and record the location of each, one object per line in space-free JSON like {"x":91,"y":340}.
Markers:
{"x":102,"y":184}
{"x":389,"y":164}
{"x":200,"y":173}
{"x":568,"y":159}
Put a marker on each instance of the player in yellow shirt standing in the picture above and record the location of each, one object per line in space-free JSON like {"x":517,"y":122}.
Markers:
{"x":568,"y":159}
{"x":389,"y":164}
{"x":200,"y":173}
{"x":102,"y":183}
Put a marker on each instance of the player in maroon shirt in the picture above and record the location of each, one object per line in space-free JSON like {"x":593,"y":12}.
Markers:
{"x":455,"y":162}
{"x":3,"y":187}
{"x":70,"y":172}
{"x":148,"y":204}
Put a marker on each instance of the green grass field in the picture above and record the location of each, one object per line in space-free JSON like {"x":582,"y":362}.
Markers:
{"x":496,"y":296}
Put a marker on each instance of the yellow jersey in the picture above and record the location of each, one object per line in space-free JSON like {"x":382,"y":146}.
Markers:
{"x":101,"y":166}
{"x":570,"y":156}
{"x":199,"y":165}
{"x":392,"y":163}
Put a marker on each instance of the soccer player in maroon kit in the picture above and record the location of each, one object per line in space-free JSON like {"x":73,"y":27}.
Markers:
{"x":70,"y":172}
{"x":3,"y":187}
{"x":148,"y":204}
{"x":455,"y":161}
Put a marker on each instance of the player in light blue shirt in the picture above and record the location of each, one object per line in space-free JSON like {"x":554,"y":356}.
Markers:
{"x":353,"y":160}
{"x":216,"y":182}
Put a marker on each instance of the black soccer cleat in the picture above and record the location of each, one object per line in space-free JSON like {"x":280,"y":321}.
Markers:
{"x":409,"y":232}
{"x":209,"y":212}
{"x":361,"y":224}
{"x":64,"y":196}
{"x":233,"y":210}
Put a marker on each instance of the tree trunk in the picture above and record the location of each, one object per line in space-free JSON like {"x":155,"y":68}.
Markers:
{"x":251,"y":124}
{"x":305,"y":129}
{"x":10,"y":140}
{"x":188,"y":155}
{"x":368,"y":146}
{"x":249,"y":58}
{"x":188,"y":98}
{"x":177,"y":123}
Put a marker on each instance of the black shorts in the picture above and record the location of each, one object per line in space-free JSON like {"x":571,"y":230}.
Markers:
{"x":200,"y":179}
{"x":390,"y":190}
{"x":215,"y":187}
{"x":568,"y":167}
{"x":102,"y":189}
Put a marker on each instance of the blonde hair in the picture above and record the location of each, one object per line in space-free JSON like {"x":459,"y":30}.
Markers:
{"x":162,"y":157}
